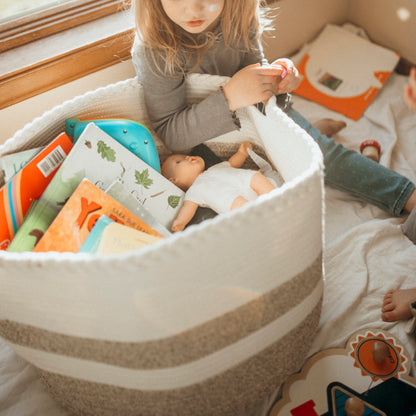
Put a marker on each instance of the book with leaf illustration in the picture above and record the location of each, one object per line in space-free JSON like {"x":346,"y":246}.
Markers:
{"x":76,"y":219}
{"x":99,"y":158}
{"x":122,"y":195}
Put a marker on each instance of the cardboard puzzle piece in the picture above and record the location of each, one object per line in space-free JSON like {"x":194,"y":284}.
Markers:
{"x":369,"y":377}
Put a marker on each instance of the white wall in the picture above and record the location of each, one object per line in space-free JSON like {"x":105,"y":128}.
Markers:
{"x":391,"y":23}
{"x":299,"y":21}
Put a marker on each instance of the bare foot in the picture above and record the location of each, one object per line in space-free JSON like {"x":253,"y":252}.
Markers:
{"x":329,"y":126}
{"x":396,"y":305}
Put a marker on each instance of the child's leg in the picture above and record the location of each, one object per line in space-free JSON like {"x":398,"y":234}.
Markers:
{"x":329,"y":127}
{"x":409,"y":227}
{"x":397,"y":305}
{"x":351,"y":172}
{"x":260,"y":184}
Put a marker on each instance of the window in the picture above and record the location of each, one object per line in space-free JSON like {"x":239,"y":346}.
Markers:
{"x":22,"y":21}
{"x":10,"y":9}
{"x":44,"y":47}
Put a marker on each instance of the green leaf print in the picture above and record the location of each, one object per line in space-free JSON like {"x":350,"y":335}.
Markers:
{"x":173,"y":200}
{"x":106,"y":151}
{"x":143,"y":178}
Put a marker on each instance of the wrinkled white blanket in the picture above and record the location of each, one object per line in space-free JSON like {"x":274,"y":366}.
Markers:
{"x":365,"y":252}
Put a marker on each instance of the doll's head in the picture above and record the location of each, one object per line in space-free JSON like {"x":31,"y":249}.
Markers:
{"x":182,"y":170}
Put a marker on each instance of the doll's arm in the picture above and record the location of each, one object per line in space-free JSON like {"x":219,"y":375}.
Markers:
{"x":237,"y":159}
{"x":185,"y":215}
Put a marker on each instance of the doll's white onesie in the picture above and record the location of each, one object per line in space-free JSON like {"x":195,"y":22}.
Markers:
{"x":220,"y":185}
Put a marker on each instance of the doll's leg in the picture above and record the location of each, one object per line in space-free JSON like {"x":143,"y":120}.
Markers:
{"x":238,"y":202}
{"x":351,"y":172}
{"x":260,"y":184}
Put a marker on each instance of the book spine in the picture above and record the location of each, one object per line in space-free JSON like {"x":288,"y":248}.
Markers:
{"x":17,"y":195}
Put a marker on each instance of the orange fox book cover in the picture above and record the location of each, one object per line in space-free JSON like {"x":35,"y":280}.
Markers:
{"x":27,"y":185}
{"x":74,"y":222}
{"x":344,"y":72}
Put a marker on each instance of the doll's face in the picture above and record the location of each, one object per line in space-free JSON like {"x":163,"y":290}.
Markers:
{"x":182,"y":170}
{"x":194,"y":16}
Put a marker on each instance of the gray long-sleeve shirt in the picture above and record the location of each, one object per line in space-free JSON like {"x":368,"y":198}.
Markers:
{"x":181,"y":126}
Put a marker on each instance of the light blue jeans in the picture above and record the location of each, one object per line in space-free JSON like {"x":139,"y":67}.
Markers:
{"x":349,"y":171}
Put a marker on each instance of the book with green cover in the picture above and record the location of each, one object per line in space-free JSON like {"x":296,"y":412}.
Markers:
{"x":99,"y":158}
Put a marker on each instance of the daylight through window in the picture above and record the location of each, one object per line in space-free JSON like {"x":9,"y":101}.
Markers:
{"x":24,"y":21}
{"x":12,"y":9}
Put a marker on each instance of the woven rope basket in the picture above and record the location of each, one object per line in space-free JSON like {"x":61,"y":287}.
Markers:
{"x":207,"y":322}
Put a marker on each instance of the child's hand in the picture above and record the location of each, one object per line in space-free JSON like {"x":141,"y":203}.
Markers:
{"x":243,"y":148}
{"x":251,"y":85}
{"x":290,"y":80}
{"x":410,"y":90}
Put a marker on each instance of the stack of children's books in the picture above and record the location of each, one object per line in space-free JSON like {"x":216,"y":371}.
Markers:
{"x":93,"y":195}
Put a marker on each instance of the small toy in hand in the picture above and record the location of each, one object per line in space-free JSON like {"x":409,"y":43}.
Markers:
{"x":222,"y":187}
{"x":132,"y":135}
{"x":371,"y":149}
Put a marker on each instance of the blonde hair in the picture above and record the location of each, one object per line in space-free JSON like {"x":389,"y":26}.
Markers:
{"x":162,"y":37}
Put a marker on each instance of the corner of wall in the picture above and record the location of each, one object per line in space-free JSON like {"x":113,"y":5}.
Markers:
{"x":299,"y":21}
{"x":391,"y":23}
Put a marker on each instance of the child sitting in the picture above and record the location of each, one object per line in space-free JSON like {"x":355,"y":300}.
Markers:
{"x":222,"y":187}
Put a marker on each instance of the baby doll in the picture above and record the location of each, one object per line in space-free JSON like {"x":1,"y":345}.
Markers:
{"x":222,"y":187}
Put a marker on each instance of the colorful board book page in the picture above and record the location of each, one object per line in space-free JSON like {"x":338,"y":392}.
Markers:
{"x":76,"y":219}
{"x":343,"y":71}
{"x":99,"y":158}
{"x":109,"y":237}
{"x":28,"y":184}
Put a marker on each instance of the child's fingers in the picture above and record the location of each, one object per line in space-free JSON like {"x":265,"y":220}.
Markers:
{"x":410,"y":97}
{"x":273,"y":71}
{"x":282,"y":68}
{"x":290,"y":82}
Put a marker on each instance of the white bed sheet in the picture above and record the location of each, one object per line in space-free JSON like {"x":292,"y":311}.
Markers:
{"x":365,"y":252}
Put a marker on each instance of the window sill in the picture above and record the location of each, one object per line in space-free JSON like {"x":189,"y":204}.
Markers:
{"x":45,"y":64}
